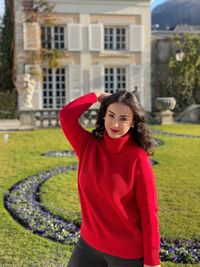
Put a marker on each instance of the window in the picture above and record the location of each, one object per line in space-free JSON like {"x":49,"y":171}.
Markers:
{"x":53,"y":37}
{"x":115,"y":79}
{"x":54,"y":83}
{"x":115,"y":38}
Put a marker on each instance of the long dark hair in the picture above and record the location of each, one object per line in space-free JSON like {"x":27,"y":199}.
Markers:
{"x":140,"y":133}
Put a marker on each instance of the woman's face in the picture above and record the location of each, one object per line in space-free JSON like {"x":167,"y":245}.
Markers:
{"x":118,"y":119}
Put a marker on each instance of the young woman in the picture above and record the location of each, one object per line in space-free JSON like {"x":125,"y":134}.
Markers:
{"x":115,"y":182}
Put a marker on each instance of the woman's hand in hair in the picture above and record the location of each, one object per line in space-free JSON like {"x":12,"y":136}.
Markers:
{"x":101,"y":96}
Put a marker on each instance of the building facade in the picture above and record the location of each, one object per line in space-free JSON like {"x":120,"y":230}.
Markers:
{"x":67,"y":48}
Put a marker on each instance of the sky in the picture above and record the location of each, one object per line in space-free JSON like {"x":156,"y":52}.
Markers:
{"x":1,"y":7}
{"x":154,"y":3}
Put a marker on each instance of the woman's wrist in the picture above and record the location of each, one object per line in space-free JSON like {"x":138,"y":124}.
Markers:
{"x":101,"y":95}
{"x":97,"y":94}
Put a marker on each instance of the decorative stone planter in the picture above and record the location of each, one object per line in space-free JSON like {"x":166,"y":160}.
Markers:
{"x":165,"y":105}
{"x":26,"y":120}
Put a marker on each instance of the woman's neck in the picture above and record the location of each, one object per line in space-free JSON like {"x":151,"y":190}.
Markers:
{"x":116,"y":145}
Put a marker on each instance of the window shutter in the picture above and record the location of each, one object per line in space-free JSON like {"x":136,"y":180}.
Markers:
{"x":136,"y":81}
{"x":75,"y":82}
{"x":97,"y":77}
{"x":74,"y":37}
{"x":31,"y":36}
{"x":96,"y":37}
{"x":66,"y":36}
{"x":136,"y":38}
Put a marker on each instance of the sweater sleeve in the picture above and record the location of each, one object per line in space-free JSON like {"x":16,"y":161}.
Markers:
{"x":69,"y":119}
{"x":147,"y":202}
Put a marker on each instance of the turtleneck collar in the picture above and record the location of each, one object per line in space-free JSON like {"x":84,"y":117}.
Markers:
{"x":115,"y":145}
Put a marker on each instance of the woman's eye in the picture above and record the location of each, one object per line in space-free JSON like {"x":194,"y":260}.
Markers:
{"x":124,"y":119}
{"x":110,"y":115}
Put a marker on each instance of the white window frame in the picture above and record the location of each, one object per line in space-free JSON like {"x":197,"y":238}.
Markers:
{"x":54,"y":44}
{"x":114,"y":79}
{"x":57,"y":86}
{"x":112,"y":45}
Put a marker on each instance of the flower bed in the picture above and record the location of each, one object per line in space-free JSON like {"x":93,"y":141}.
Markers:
{"x":67,"y":153}
{"x":180,"y":251}
{"x":24,"y":205}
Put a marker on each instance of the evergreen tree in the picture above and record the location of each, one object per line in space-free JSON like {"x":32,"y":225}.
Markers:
{"x":7,"y":48}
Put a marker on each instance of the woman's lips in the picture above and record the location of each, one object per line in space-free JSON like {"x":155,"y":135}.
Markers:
{"x":114,"y":131}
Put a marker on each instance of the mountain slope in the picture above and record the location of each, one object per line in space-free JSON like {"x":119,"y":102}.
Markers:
{"x":174,"y":12}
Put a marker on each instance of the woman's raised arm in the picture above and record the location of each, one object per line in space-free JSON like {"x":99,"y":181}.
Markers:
{"x":69,"y":117}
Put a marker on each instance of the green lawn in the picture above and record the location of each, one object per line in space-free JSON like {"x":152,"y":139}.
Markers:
{"x":191,"y":129}
{"x":178,"y":186}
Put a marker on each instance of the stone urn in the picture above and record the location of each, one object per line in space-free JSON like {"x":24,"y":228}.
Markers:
{"x":165,"y":105}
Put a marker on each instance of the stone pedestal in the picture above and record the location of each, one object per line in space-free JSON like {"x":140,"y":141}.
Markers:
{"x":26,"y":120}
{"x":165,"y":105}
{"x":166,"y":117}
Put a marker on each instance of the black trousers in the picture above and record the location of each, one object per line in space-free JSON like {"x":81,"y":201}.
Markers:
{"x":84,"y":255}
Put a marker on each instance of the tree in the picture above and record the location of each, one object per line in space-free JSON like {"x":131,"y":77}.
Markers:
{"x":183,"y":81}
{"x":7,"y":47}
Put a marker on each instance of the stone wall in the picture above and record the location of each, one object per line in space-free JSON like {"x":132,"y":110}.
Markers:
{"x":162,"y":47}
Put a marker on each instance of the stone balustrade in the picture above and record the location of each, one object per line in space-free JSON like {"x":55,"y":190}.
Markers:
{"x":88,"y":119}
{"x":49,"y":118}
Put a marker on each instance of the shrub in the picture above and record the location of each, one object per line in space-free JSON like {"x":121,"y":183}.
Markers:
{"x":8,"y":105}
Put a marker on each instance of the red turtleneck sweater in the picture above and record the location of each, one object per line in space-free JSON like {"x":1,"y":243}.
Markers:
{"x":116,"y":188}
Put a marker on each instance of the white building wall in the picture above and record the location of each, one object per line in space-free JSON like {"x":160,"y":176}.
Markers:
{"x":85,"y":58}
{"x":82,"y":12}
{"x":129,"y":8}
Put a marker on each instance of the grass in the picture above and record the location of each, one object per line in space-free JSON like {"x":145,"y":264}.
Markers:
{"x":60,"y":196}
{"x":177,"y":178}
{"x":178,"y":187}
{"x":191,"y":129}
